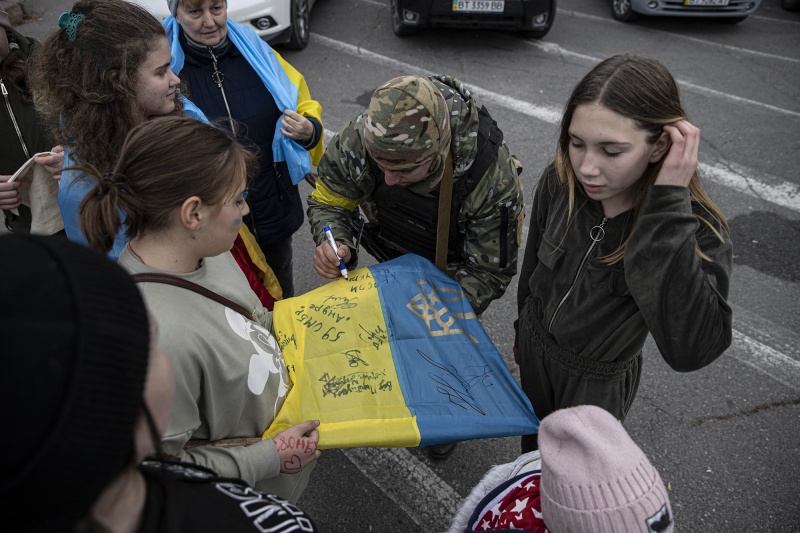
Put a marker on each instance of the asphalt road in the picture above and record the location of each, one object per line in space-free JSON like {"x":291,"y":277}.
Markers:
{"x":726,"y":439}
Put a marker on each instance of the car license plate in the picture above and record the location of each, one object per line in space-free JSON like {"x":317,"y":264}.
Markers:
{"x":714,"y":3}
{"x":480,"y":6}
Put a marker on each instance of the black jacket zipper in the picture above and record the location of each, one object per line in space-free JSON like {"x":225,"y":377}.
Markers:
{"x":13,"y":119}
{"x":596,"y":234}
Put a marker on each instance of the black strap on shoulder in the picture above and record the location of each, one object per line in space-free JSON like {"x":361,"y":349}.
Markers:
{"x":490,"y":137}
{"x":194,"y":287}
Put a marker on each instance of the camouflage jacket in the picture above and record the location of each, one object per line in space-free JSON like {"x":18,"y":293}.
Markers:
{"x":345,"y":178}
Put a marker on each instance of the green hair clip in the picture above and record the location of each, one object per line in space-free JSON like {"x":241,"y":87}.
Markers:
{"x":69,"y":23}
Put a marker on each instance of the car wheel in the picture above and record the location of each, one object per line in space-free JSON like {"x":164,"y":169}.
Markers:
{"x":790,"y":5}
{"x":623,"y":10}
{"x":399,"y":29}
{"x":541,"y":31}
{"x":300,"y":27}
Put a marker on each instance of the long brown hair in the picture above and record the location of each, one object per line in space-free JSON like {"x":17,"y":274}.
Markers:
{"x":87,"y":87}
{"x":14,"y":69}
{"x":155,"y":175}
{"x":643,"y":90}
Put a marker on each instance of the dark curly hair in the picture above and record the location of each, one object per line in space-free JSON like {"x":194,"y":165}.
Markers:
{"x":14,"y":68}
{"x":86,"y":88}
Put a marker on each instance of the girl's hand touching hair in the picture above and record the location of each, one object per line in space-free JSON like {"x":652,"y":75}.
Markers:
{"x":297,"y":446}
{"x":681,"y":159}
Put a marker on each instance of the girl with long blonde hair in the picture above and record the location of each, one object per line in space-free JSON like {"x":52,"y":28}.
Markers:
{"x":623,"y":241}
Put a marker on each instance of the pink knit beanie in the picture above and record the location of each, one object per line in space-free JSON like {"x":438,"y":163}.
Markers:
{"x":596,"y":479}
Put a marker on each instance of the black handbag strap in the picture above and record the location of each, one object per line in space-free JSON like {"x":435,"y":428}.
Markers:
{"x":194,"y":287}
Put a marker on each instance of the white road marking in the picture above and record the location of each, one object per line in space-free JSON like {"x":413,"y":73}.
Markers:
{"x":407,"y":481}
{"x":543,"y":113}
{"x":704,"y":42}
{"x":783,"y":339}
{"x":363,"y":53}
{"x":738,"y":99}
{"x":552,"y":48}
{"x":551,"y":115}
{"x":779,"y":192}
{"x":729,"y":47}
{"x":766,"y":360}
{"x":774,"y":19}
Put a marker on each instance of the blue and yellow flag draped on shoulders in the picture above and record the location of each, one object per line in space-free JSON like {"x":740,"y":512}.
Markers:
{"x":395,"y":357}
{"x":283,"y":81}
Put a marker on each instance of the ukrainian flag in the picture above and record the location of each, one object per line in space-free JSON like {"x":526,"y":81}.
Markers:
{"x":395,"y":357}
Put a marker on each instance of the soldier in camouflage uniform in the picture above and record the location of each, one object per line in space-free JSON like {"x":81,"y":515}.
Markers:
{"x":413,"y":129}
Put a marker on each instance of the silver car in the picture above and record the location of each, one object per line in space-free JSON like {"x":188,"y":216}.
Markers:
{"x":730,"y":11}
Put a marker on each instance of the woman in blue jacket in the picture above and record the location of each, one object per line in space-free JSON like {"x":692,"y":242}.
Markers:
{"x":230,"y":73}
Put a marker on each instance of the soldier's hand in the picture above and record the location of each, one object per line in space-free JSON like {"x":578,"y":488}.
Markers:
{"x":326,"y":262}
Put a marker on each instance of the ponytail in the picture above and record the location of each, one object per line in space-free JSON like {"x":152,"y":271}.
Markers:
{"x":103,"y":209}
{"x":153,"y":177}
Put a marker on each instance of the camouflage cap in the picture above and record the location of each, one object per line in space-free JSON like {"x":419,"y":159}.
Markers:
{"x":407,"y":123}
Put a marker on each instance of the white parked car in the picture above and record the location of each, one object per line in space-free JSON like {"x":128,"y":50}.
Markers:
{"x":730,"y":11}
{"x":277,"y":21}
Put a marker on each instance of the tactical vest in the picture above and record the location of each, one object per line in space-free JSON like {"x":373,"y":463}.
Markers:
{"x":407,"y":222}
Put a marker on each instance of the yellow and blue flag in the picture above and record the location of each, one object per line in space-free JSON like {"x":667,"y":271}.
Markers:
{"x":395,"y":357}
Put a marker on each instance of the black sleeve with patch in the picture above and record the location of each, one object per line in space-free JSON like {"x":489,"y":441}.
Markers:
{"x":187,"y":498}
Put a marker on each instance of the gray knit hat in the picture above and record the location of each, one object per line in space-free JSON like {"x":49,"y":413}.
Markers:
{"x":75,"y":348}
{"x":596,"y":479}
{"x":173,"y":7}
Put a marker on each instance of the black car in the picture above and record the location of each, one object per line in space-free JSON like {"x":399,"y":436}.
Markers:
{"x":533,"y":18}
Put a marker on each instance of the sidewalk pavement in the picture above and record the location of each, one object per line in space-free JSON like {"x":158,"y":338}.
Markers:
{"x":35,"y":18}
{"x":14,"y":9}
